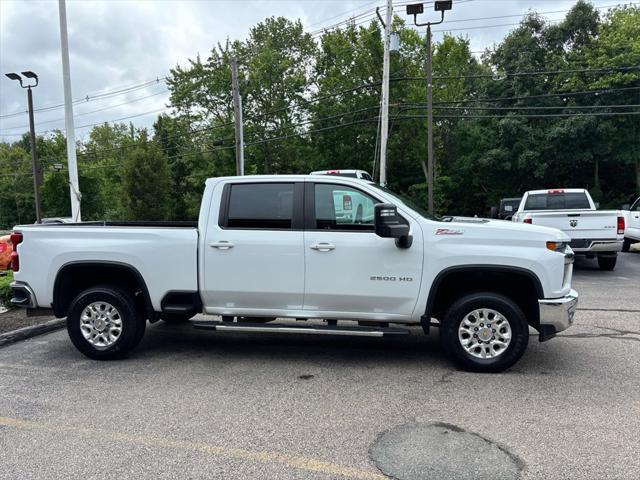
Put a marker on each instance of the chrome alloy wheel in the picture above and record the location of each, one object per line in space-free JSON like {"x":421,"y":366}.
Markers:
{"x":101,"y":325}
{"x":484,"y":333}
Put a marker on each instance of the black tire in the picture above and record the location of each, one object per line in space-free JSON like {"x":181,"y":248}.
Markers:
{"x":133,"y":325}
{"x":626,"y":245}
{"x":459,"y":312}
{"x":175,"y":317}
{"x":607,"y":263}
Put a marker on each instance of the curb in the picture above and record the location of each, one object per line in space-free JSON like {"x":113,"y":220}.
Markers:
{"x":27,"y":332}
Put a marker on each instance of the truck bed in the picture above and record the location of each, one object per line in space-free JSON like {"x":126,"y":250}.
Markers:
{"x":163,"y":253}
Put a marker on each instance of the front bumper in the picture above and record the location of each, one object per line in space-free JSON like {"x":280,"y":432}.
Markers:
{"x":556,"y":314}
{"x":22,"y":295}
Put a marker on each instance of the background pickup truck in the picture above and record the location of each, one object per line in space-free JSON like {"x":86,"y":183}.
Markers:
{"x":593,"y":232}
{"x":632,"y":225}
{"x":268,"y":247}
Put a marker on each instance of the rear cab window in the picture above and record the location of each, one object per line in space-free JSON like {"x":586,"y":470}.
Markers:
{"x":557,"y":201}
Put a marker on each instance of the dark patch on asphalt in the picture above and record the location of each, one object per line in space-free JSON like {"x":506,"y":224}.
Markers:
{"x":444,"y":378}
{"x":617,"y":335}
{"x":305,"y":377}
{"x":416,"y":451}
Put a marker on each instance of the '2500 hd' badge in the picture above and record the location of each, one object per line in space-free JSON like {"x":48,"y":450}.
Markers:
{"x":448,"y":231}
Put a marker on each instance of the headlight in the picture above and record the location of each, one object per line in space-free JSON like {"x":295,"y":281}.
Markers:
{"x":557,"y":246}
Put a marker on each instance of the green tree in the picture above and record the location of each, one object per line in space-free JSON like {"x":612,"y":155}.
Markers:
{"x":146,"y":182}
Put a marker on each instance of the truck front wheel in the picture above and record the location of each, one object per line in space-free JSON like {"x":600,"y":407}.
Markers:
{"x":484,"y":332}
{"x":607,"y":263}
{"x":103,"y":323}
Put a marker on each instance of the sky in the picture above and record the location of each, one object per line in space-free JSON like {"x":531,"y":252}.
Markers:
{"x":118,"y":48}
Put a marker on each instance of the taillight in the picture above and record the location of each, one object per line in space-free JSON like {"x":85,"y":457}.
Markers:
{"x":16,"y":238}
{"x":528,"y":220}
{"x":620,"y":225}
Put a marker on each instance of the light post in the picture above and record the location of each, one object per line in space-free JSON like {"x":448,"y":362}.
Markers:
{"x":32,"y":134}
{"x":416,"y":9}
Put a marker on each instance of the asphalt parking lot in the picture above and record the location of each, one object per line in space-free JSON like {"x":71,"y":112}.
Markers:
{"x":194,"y":404}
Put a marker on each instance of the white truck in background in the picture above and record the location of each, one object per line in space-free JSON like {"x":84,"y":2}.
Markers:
{"x":593,"y":232}
{"x":632,"y":225}
{"x":267,"y":248}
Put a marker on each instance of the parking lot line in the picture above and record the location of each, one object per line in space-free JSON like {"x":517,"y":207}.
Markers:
{"x":271,"y":457}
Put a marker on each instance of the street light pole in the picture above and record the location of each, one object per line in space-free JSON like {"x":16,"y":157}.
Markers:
{"x":32,"y":138}
{"x":415,"y":10}
{"x":430,"y":163}
{"x":34,"y":157}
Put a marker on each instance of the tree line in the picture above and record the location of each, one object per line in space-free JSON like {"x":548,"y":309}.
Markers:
{"x":551,"y":105}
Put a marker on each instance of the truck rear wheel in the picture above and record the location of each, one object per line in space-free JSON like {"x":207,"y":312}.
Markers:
{"x":607,"y":263}
{"x":484,"y":332}
{"x":103,"y":323}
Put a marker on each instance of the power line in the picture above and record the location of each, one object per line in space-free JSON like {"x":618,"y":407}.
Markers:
{"x":96,"y":96}
{"x":92,"y":111}
{"x":560,"y":107}
{"x":534,"y":12}
{"x":533,"y":115}
{"x":157,"y":110}
{"x":501,"y":76}
{"x":543,"y":95}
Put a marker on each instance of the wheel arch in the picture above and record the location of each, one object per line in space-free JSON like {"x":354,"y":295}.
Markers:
{"x":520,"y":284}
{"x":68,"y":283}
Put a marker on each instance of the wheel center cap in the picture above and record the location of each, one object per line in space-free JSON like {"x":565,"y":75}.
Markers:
{"x":485,"y":334}
{"x":100,"y":324}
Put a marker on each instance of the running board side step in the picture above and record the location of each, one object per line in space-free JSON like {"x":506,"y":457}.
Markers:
{"x":301,"y":329}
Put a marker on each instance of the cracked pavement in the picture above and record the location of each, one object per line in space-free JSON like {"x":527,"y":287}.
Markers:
{"x":194,"y":404}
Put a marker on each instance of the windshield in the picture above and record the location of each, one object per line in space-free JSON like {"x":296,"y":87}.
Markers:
{"x":408,"y":202}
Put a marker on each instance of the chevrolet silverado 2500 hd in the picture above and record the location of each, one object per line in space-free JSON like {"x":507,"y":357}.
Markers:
{"x":269,"y":247}
{"x":593,"y":232}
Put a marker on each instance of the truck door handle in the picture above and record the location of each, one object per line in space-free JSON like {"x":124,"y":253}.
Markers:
{"x":322,"y":246}
{"x":221,"y":245}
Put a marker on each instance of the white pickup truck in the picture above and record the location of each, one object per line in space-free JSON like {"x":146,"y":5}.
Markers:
{"x":632,"y":224}
{"x":272,"y":247}
{"x":593,"y":232}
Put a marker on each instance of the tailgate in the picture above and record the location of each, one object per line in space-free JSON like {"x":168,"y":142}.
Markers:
{"x":585,"y":224}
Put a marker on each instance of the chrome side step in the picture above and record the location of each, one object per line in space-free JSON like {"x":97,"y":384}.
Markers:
{"x":301,"y":329}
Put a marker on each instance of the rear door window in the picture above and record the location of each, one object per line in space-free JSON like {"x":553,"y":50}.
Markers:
{"x":260,"y":205}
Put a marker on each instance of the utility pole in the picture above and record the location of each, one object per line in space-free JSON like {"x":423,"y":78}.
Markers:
{"x":415,"y":10}
{"x":237,"y":115}
{"x":74,"y":187}
{"x":384,"y":102}
{"x":32,"y":138}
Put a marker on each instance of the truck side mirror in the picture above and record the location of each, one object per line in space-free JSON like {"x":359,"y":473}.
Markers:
{"x":388,"y":224}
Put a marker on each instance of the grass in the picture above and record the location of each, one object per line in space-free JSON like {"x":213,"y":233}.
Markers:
{"x":5,"y":291}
